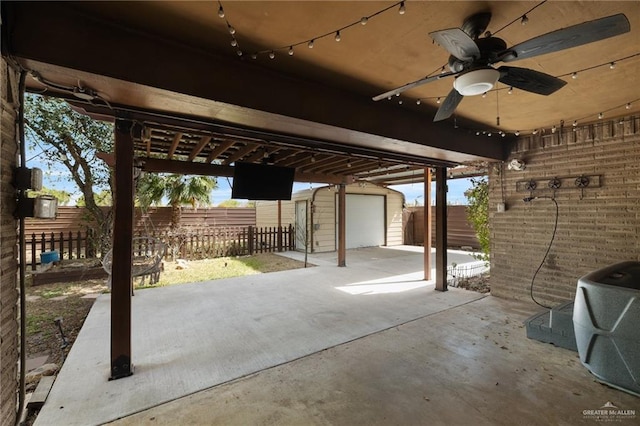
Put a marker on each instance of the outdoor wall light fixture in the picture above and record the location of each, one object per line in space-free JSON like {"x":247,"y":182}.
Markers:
{"x":517,"y":165}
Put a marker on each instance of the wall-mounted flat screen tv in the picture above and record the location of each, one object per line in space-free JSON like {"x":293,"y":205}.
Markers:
{"x":262,"y":182}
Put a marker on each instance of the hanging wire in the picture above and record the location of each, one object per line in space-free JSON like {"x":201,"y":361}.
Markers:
{"x":520,"y":17}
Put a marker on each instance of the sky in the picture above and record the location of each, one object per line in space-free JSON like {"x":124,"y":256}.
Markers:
{"x":59,"y":178}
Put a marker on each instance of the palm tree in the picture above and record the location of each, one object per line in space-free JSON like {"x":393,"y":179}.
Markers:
{"x":177,"y":189}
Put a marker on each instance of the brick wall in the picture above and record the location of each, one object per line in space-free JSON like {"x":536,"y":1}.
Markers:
{"x":8,"y":252}
{"x":596,"y":227}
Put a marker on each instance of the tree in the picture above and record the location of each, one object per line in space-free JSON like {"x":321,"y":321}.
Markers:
{"x":73,"y":140}
{"x":179,"y":190}
{"x":63,"y":197}
{"x":478,"y":213}
{"x":103,"y":198}
{"x":232,"y":204}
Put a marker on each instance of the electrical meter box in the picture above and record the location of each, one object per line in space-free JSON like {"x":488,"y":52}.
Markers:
{"x":606,"y":315}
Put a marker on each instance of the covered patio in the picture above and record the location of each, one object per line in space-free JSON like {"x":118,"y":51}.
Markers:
{"x":196,"y":87}
{"x":368,"y":344}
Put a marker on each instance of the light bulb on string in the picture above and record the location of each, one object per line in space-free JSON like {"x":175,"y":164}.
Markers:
{"x":364,"y":20}
{"x":612,"y":65}
{"x":553,"y":129}
{"x":418,"y":102}
{"x":535,"y":131}
{"x":517,"y":133}
{"x":234,"y":42}
{"x":484,"y":95}
{"x":221,"y":12}
{"x":524,"y":20}
{"x":575,"y":123}
{"x":510,"y":91}
{"x":338,"y":37}
{"x":272,"y":55}
{"x":601,"y":116}
{"x":290,"y":51}
{"x":232,"y":30}
{"x":402,"y":8}
{"x":442,"y":70}
{"x":310,"y":44}
{"x":438,"y":100}
{"x":574,"y":75}
{"x":254,"y":56}
{"x":239,"y":52}
{"x":400,"y":102}
{"x":628,"y":106}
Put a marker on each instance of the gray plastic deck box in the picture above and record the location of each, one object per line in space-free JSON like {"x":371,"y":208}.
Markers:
{"x":606,"y":318}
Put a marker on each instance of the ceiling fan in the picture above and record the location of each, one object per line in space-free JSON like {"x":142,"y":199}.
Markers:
{"x":472,"y":58}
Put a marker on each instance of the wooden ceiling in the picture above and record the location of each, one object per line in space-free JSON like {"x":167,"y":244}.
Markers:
{"x":313,"y":110}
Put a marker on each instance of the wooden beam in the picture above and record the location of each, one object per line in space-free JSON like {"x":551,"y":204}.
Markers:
{"x":427,"y":223}
{"x":320,"y":163}
{"x":260,"y":154}
{"x":204,"y":140}
{"x":389,"y":170}
{"x":158,"y":165}
{"x":241,"y":152}
{"x":222,"y":147}
{"x":292,"y":159}
{"x":441,"y":228}
{"x":174,"y":145}
{"x":342,"y":226}
{"x":121,"y":281}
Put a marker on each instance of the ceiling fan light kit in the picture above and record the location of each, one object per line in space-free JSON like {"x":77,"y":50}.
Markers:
{"x":476,"y":82}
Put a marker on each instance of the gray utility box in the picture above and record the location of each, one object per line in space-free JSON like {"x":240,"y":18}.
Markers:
{"x":606,"y":318}
{"x":554,"y":326}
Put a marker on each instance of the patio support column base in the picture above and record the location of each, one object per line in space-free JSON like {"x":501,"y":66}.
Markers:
{"x":427,"y":223}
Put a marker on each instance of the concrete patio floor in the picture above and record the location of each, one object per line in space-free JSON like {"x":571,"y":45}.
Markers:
{"x":368,"y":344}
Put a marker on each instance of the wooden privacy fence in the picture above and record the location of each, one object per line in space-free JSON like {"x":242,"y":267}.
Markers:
{"x":459,"y":232}
{"x":190,"y":243}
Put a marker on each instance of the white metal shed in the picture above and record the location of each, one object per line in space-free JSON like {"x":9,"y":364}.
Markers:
{"x":373,"y":216}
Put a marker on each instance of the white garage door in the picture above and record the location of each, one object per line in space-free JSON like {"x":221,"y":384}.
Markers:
{"x":365,"y":220}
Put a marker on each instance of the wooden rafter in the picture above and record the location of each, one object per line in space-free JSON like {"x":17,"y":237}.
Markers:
{"x":174,"y":144}
{"x":320,"y":163}
{"x":204,"y":140}
{"x":222,"y":147}
{"x":260,"y":153}
{"x":241,"y":152}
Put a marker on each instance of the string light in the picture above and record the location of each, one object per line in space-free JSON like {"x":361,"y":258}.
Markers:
{"x":575,"y":123}
{"x":601,"y":116}
{"x":291,"y":51}
{"x":524,"y":20}
{"x":628,"y":106}
{"x":553,"y":129}
{"x":418,"y":102}
{"x":337,"y":33}
{"x":612,"y":65}
{"x":517,"y":133}
{"x":272,"y":55}
{"x":510,"y":91}
{"x":239,"y":52}
{"x":484,"y":95}
{"x":442,"y":70}
{"x":400,"y":102}
{"x":234,"y":42}
{"x":535,"y":131}
{"x":438,"y":101}
{"x":254,"y":56}
{"x":221,"y":12}
{"x":232,"y":30}
{"x":574,"y":75}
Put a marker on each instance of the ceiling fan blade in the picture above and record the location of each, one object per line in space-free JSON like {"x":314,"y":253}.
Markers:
{"x":448,"y":106}
{"x":530,"y":80}
{"x":412,"y":85}
{"x":576,"y":35}
{"x":457,"y":42}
